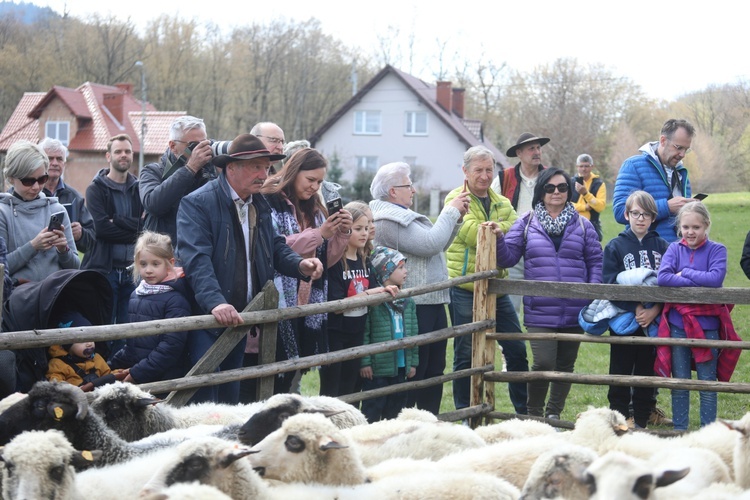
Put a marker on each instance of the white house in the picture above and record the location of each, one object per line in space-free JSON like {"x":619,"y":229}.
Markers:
{"x":398,"y":117}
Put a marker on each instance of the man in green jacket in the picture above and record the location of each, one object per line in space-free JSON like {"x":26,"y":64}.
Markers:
{"x":484,"y":205}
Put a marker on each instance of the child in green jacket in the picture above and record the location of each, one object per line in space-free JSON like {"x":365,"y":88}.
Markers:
{"x":388,"y":321}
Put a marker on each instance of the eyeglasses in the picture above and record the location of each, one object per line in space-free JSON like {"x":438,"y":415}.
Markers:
{"x":562,"y":187}
{"x":273,"y":140}
{"x":640,"y":215}
{"x":410,"y":186}
{"x":683,"y":150}
{"x":30,"y":181}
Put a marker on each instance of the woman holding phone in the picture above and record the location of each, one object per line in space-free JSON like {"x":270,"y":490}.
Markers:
{"x":298,"y":213}
{"x":36,"y":228}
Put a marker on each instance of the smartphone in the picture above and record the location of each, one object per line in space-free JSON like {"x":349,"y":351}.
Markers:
{"x":69,"y":208}
{"x":700,"y":196}
{"x":334,"y":206}
{"x":55,"y":221}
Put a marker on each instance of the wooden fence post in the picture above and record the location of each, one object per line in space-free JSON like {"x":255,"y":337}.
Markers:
{"x":221,"y":348}
{"x":267,"y":345}
{"x":483,"y":350}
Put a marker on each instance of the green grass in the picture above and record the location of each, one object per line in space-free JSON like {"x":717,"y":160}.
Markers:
{"x":729,"y":227}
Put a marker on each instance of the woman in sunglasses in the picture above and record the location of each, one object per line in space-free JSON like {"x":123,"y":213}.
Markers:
{"x":34,"y":251}
{"x":557,"y":245}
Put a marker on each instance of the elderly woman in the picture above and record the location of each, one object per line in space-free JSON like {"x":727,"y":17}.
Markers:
{"x":423,"y":244}
{"x":34,"y":251}
{"x":298,"y":213}
{"x":557,"y":244}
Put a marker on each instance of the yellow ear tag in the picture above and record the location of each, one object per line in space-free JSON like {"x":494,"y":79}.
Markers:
{"x":86,"y":454}
{"x":58,"y":413}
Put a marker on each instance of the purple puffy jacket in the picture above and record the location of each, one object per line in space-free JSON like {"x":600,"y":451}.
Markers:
{"x":579,"y":260}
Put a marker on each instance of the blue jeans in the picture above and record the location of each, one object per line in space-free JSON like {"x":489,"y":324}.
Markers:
{"x":198,"y":343}
{"x":461,"y":310}
{"x":681,"y":358}
{"x":122,"y":285}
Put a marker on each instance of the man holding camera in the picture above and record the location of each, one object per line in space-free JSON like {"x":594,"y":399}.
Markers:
{"x":181,"y":170}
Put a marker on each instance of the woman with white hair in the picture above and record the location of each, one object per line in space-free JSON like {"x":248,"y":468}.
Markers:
{"x":34,"y":250}
{"x":423,"y":244}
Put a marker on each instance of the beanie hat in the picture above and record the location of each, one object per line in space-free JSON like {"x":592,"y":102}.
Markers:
{"x":384,"y":261}
{"x":69,"y":319}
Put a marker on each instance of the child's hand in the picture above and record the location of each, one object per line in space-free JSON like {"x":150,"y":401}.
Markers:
{"x":392,"y":289}
{"x":412,"y":372}
{"x":366,"y":372}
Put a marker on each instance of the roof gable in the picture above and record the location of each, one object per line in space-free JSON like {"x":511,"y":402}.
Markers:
{"x":19,"y":126}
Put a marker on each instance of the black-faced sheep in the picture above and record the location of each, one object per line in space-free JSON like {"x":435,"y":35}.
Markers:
{"x":278,"y":408}
{"x":621,"y":476}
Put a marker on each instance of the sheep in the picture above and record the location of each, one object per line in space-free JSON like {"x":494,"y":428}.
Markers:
{"x":557,"y":474}
{"x":705,"y":466}
{"x":278,"y":408}
{"x":741,"y":457}
{"x":10,"y":400}
{"x":59,"y":405}
{"x":188,"y":491}
{"x":308,"y":448}
{"x":447,"y":485}
{"x":621,"y":476}
{"x":134,"y":414}
{"x":513,"y":429}
{"x":40,"y":464}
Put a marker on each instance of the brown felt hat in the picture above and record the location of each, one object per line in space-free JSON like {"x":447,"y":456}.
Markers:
{"x":246,"y":147}
{"x":525,"y":138}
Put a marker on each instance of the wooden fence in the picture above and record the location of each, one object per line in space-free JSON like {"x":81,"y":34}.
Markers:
{"x":263,"y":311}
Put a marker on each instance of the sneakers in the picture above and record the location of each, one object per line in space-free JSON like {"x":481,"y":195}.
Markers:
{"x":658,"y":417}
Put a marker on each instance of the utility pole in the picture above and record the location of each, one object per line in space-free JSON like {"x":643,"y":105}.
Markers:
{"x":143,"y":115}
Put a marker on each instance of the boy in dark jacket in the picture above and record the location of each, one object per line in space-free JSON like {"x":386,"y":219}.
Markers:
{"x":388,"y":321}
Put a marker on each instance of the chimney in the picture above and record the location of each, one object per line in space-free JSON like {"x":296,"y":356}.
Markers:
{"x":444,"y":95}
{"x":458,"y":102}
{"x":115,"y":102}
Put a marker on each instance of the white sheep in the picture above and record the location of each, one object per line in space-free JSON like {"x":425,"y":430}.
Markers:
{"x":619,"y":475}
{"x":278,"y":408}
{"x":558,"y":472}
{"x":513,"y":428}
{"x":705,"y":466}
{"x":188,"y":491}
{"x":10,"y":400}
{"x":741,"y":452}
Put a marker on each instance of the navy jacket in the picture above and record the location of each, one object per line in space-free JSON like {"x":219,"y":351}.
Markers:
{"x":156,"y":357}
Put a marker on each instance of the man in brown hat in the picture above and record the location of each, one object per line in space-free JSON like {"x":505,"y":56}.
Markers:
{"x":518,"y":186}
{"x":229,"y":249}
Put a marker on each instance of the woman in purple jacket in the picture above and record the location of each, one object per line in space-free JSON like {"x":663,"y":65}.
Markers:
{"x":557,"y":245}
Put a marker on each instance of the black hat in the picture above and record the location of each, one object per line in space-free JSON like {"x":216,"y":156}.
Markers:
{"x":525,"y":138}
{"x":246,"y":147}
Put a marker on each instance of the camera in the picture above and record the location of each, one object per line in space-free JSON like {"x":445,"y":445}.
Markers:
{"x":217,"y":148}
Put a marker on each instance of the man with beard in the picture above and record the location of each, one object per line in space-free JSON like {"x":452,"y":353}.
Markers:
{"x":115,"y":205}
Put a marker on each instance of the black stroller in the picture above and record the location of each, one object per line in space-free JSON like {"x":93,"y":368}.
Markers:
{"x":38,"y":305}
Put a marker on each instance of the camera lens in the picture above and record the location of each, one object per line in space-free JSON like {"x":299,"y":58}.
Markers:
{"x":220,"y":147}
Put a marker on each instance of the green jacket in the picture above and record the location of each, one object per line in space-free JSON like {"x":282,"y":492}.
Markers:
{"x":379,"y":328}
{"x":462,"y":252}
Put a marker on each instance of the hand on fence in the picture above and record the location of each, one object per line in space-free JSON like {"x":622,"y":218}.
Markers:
{"x":495,"y":227}
{"x":227,"y":315}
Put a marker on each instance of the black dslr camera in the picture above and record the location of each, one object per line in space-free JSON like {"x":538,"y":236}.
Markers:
{"x":217,"y":148}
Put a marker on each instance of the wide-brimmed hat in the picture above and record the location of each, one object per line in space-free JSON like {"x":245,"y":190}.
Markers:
{"x":246,"y":147}
{"x":525,"y":138}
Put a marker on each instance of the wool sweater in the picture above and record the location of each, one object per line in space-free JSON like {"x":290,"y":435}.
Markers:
{"x":422,"y":243}
{"x":379,"y":328}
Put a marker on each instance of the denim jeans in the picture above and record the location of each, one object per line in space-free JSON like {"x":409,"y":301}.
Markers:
{"x":198,"y":343}
{"x":461,"y":310}
{"x":122,"y":285}
{"x":430,"y":317}
{"x":681,"y":358}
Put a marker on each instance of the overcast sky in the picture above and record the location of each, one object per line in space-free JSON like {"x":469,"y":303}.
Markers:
{"x":668,"y":47}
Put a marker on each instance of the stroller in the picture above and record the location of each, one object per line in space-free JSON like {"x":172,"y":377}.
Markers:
{"x":38,"y":305}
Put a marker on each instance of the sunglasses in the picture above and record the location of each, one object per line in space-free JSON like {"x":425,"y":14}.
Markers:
{"x":550,"y":188}
{"x":30,"y":181}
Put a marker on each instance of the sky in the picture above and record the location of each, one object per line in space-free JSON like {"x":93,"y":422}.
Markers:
{"x":668,"y":47}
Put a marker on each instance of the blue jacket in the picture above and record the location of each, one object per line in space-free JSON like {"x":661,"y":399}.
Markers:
{"x":156,"y":357}
{"x":645,"y":172}
{"x":209,"y":238}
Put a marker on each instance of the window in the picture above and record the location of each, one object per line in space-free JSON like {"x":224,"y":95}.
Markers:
{"x":59,"y":131}
{"x":411,"y":160}
{"x":416,"y":123}
{"x":367,"y":163}
{"x":367,"y":122}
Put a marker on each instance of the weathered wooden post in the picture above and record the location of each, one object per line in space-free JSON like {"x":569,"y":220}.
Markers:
{"x":483,"y":350}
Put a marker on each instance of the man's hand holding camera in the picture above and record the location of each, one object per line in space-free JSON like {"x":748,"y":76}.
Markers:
{"x":200,"y":155}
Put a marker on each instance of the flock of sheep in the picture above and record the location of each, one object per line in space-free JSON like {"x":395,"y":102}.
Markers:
{"x":118,"y":443}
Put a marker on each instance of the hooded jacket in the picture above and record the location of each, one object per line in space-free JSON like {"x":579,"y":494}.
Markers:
{"x":645,"y":172}
{"x":113,"y":229}
{"x":20,"y":222}
{"x":579,"y":260}
{"x":58,"y":369}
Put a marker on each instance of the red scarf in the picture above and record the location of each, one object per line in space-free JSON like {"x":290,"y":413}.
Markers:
{"x":727,"y":359}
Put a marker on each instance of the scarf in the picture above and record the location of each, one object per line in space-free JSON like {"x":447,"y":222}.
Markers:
{"x":146,"y":289}
{"x":556,"y":226}
{"x":312,"y":338}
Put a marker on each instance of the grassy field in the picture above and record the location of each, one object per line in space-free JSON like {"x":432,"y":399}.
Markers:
{"x":729,"y":226}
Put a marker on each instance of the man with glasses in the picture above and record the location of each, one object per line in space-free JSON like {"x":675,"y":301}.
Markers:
{"x":180,"y":171}
{"x":273,"y":137}
{"x":658,"y":170}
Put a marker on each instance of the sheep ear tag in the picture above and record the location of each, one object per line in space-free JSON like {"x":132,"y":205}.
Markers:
{"x":59,"y":413}
{"x":327,"y":443}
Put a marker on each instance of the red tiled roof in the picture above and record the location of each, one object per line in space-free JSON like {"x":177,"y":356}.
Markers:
{"x":467,"y":130}
{"x":96,"y":122}
{"x":19,"y":126}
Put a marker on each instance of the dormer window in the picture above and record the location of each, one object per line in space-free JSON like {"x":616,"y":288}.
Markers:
{"x":59,"y":131}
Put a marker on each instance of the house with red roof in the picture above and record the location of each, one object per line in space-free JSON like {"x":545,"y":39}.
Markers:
{"x":398,"y":117}
{"x":84,"y":119}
